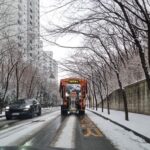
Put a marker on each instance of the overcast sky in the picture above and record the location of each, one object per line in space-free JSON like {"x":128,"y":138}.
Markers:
{"x":55,"y":17}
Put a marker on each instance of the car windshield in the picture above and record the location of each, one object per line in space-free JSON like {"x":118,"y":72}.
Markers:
{"x":19,"y":101}
{"x":29,"y":101}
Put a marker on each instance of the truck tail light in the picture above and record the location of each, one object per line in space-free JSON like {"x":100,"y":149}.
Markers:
{"x":65,"y":103}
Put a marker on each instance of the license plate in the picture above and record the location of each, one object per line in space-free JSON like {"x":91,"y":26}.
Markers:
{"x":15,"y":114}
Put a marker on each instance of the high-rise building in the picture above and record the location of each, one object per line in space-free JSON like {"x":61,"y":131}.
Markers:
{"x":19,"y":22}
{"x":55,"y":70}
{"x":47,"y":65}
{"x":33,"y":28}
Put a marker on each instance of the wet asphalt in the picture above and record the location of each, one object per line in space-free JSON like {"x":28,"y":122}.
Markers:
{"x":87,"y":136}
{"x":4,"y":123}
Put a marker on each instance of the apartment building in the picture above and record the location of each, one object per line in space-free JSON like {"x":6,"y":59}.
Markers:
{"x":33,"y":28}
{"x":19,"y":22}
{"x":47,"y":65}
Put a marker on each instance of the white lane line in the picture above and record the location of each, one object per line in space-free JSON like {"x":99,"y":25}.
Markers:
{"x":66,"y":139}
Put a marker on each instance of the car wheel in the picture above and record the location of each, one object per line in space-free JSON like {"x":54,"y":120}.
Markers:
{"x":9,"y":117}
{"x":32,"y":114}
{"x":39,"y":112}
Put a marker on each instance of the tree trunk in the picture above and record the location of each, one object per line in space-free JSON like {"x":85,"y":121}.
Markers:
{"x":124,"y":97}
{"x":94,"y":92}
{"x":17,"y":83}
{"x":108,"y":108}
{"x":100,"y":92}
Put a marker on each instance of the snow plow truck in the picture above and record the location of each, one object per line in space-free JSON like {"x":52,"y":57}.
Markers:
{"x":73,"y":92}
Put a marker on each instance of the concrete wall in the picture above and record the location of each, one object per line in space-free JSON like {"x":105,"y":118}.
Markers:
{"x":138,"y":98}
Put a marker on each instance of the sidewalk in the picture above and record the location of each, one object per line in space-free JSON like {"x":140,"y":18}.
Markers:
{"x":137,"y":123}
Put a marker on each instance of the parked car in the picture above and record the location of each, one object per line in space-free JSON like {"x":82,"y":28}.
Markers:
{"x":23,"y":108}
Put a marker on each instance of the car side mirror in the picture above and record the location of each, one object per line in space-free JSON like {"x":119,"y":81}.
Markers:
{"x":34,"y":103}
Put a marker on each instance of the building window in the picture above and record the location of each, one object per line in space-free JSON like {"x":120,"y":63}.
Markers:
{"x":19,"y":7}
{"x":19,"y":37}
{"x":19,"y":22}
{"x":19,"y":45}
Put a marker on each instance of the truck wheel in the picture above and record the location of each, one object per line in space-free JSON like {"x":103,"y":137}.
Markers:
{"x":81,"y":112}
{"x":32,"y":113}
{"x":63,"y":112}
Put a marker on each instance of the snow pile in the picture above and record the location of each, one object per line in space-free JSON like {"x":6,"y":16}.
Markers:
{"x":137,"y":122}
{"x":66,"y":138}
{"x":50,"y":109}
{"x":122,"y":139}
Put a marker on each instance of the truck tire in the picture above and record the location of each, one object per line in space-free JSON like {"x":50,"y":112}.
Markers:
{"x":81,"y":112}
{"x":64,"y":112}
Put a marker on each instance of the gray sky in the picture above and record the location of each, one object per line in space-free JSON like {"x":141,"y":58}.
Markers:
{"x":57,"y":18}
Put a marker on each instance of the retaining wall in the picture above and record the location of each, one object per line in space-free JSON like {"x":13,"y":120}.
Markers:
{"x":138,"y":98}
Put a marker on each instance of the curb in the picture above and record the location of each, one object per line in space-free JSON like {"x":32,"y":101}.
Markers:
{"x":124,"y":127}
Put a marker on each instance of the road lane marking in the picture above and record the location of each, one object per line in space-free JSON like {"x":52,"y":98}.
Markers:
{"x":89,"y":128}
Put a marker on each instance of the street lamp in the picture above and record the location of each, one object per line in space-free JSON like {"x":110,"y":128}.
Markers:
{"x":52,"y":76}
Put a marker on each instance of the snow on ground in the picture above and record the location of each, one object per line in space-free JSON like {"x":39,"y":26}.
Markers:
{"x":2,"y":114}
{"x":16,"y":135}
{"x":137,"y":122}
{"x":68,"y":131}
{"x":121,"y":139}
{"x":50,"y":109}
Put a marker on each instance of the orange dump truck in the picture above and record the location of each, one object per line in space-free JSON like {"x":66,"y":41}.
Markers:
{"x":73,"y":92}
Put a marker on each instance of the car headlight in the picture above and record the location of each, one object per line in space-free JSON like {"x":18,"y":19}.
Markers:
{"x":27,"y":107}
{"x":7,"y":108}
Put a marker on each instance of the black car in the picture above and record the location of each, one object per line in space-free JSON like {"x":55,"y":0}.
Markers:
{"x":23,"y":107}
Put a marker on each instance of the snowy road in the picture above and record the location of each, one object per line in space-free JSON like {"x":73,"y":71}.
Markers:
{"x":70,"y":132}
{"x":9,"y":123}
{"x":18,"y":134}
{"x":53,"y":131}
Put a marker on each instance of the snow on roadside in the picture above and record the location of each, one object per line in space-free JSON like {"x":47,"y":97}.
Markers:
{"x":69,"y":132}
{"x":16,"y":135}
{"x":50,"y":109}
{"x":121,"y":139}
{"x":2,"y":114}
{"x":137,"y":122}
